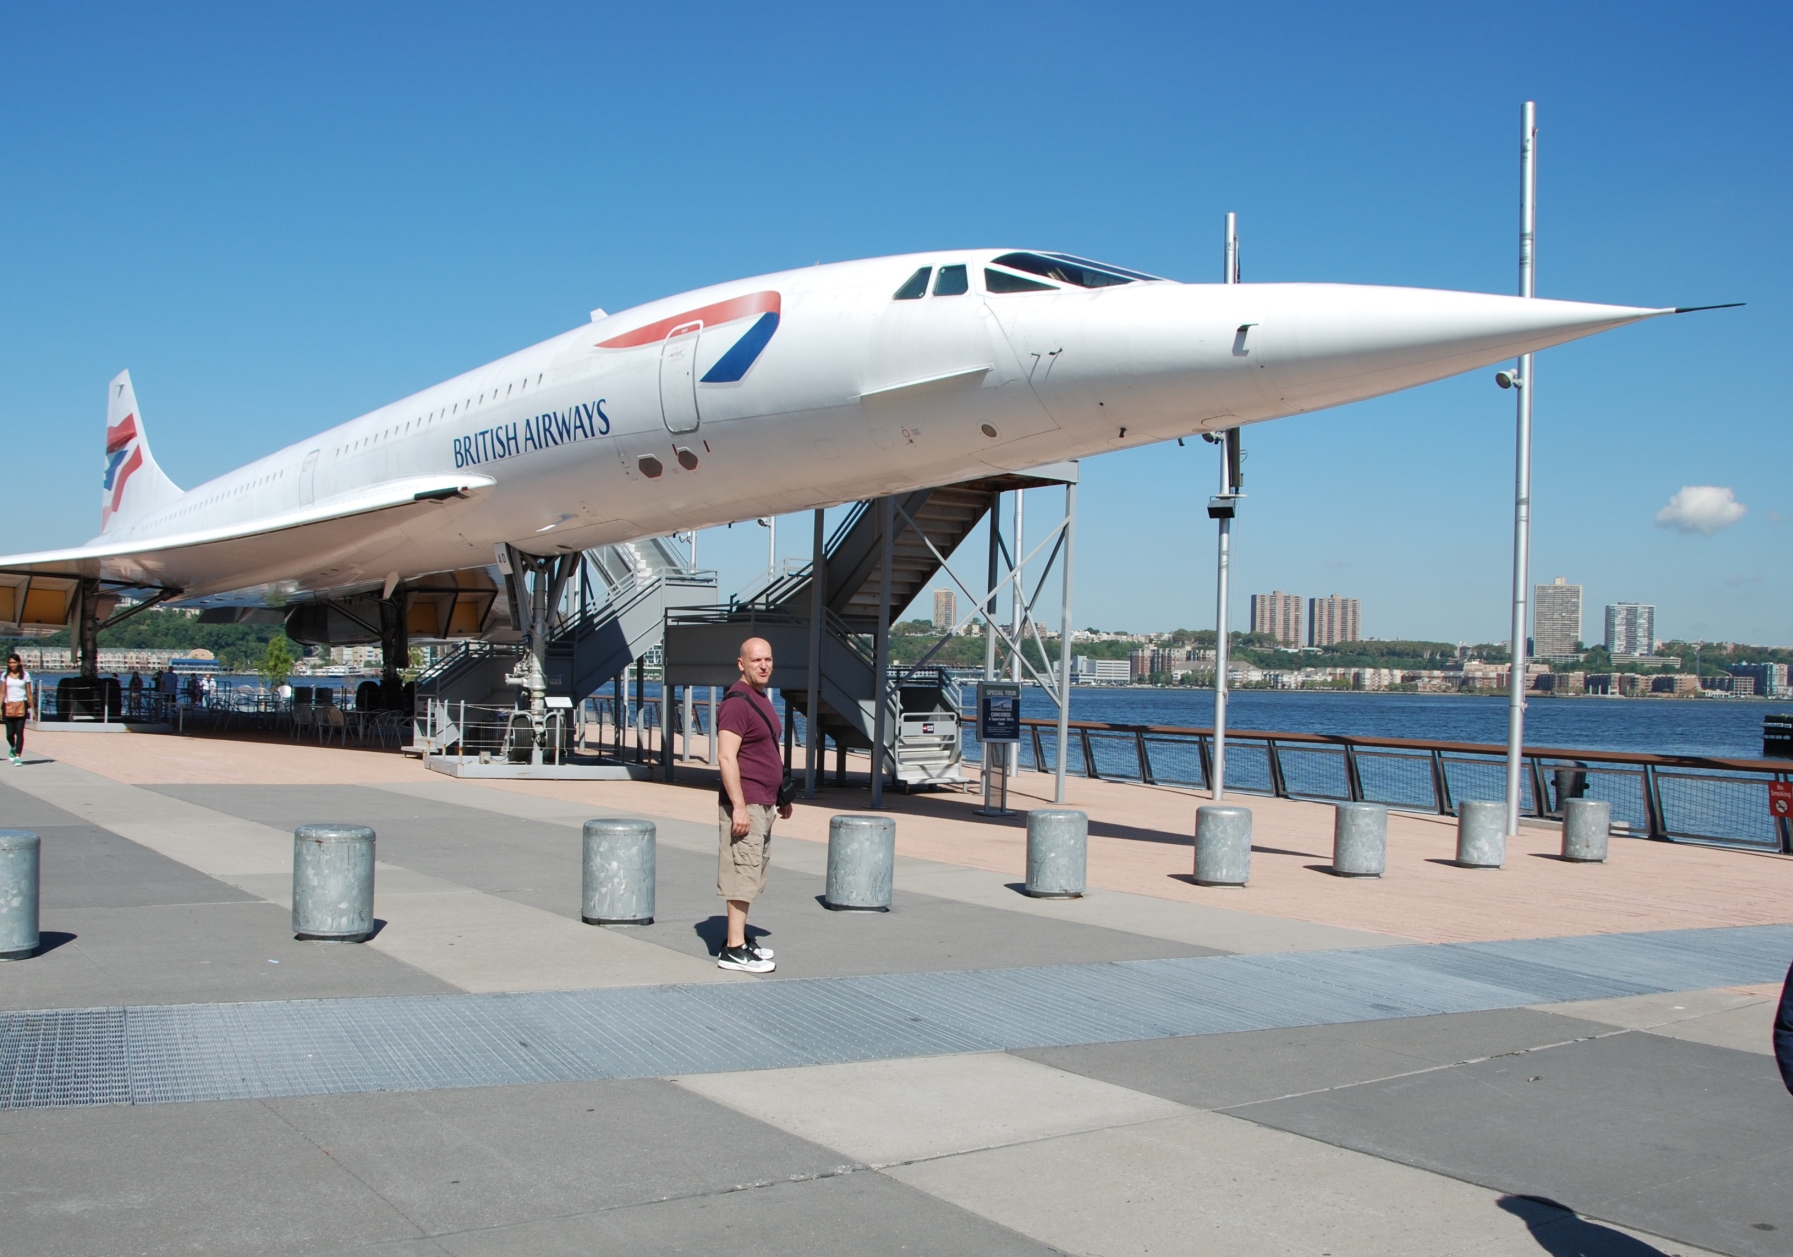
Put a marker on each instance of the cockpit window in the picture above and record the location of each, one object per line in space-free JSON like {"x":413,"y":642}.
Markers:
{"x":915,"y":287}
{"x":1002,"y":281}
{"x":953,"y":282}
{"x":1106,"y":266}
{"x":1067,"y":269}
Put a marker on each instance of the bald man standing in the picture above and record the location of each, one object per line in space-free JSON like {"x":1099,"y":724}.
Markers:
{"x":752,"y":773}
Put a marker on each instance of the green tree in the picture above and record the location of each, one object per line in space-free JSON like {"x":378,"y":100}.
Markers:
{"x":276,"y":662}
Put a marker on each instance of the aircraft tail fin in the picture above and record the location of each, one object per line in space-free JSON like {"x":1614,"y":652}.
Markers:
{"x":134,"y":484}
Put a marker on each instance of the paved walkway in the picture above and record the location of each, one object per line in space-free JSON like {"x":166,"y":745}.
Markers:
{"x":1296,"y":1067}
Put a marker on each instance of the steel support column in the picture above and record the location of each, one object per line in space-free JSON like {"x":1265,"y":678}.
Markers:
{"x":818,"y":600}
{"x":1064,"y":641}
{"x":881,"y":647}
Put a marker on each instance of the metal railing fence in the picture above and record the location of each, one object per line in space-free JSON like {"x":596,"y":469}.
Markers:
{"x":1675,"y":798}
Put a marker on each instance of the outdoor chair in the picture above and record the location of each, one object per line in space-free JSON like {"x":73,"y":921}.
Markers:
{"x":330,"y":724}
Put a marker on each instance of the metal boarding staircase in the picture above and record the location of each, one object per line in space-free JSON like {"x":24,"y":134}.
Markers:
{"x":641,"y":582}
{"x":701,"y":647}
{"x":600,"y":642}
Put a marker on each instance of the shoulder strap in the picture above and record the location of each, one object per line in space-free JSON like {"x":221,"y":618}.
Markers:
{"x":758,"y":710}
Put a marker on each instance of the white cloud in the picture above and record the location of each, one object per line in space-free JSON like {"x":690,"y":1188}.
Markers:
{"x":1701,"y":508}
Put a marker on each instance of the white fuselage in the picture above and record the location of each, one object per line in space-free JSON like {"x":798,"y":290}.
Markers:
{"x":856,"y":393}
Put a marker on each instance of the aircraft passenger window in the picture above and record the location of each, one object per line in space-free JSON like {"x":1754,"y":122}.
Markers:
{"x":1069,"y":270}
{"x":953,"y":282}
{"x":915,"y":286}
{"x":1002,"y":281}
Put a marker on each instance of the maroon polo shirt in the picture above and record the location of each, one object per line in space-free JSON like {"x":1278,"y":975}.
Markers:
{"x":762,"y":768}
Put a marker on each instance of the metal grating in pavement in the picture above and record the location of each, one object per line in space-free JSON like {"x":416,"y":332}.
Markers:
{"x":166,"y":1054}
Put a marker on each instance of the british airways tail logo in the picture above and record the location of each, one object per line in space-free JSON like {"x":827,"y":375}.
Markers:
{"x":740,"y":356}
{"x":123,"y":457}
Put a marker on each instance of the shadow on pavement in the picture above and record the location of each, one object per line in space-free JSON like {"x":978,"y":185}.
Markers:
{"x":714,"y":932}
{"x":50,"y":940}
{"x":1561,"y":1233}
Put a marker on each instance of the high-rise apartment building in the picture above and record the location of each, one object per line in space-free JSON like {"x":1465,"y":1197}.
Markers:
{"x":1556,"y":620}
{"x":1332,"y":620}
{"x":946,"y":610}
{"x":1279,"y":615}
{"x":1631,"y":629}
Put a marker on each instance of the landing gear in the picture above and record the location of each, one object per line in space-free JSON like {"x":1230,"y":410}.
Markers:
{"x":534,"y":601}
{"x":395,"y":649}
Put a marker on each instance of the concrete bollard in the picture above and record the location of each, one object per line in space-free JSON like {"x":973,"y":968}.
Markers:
{"x":333,"y":883}
{"x":18,"y":893}
{"x":1360,"y":840}
{"x":1222,"y":845}
{"x":1057,"y":853}
{"x":617,"y":887}
{"x":861,"y":858}
{"x":1481,"y":834}
{"x":1586,"y":823}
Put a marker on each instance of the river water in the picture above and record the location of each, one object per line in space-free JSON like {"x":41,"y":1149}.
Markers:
{"x":1664,"y":726}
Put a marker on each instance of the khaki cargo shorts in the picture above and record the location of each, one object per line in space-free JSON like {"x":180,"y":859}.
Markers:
{"x":742,"y":863}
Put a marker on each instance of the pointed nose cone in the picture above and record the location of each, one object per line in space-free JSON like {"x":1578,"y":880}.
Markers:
{"x":1326,"y":344}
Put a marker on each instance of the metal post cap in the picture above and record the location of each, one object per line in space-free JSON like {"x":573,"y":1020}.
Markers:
{"x":333,"y":833}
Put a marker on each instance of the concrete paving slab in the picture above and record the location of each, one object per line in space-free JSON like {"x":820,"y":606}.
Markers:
{"x":890,"y":1112}
{"x":864,"y":1214}
{"x":215,"y":1178}
{"x":1201,"y":925}
{"x":1679,"y":1139}
{"x":498,"y":1156}
{"x":483,"y":942}
{"x":1731,"y":1017}
{"x":88,"y":867}
{"x":1217,"y":1071}
{"x":1205,"y":1183}
{"x":195,"y":953}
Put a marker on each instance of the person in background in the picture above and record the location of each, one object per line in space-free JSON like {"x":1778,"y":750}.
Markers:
{"x":136,"y":692}
{"x":15,"y":691}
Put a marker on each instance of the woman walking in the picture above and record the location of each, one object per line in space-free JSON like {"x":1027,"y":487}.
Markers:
{"x":17,"y":697}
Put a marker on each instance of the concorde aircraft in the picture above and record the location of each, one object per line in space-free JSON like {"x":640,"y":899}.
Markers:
{"x":779,"y":393}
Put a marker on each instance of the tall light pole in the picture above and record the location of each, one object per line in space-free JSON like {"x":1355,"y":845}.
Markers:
{"x":1220,"y":509}
{"x":1522,"y":493}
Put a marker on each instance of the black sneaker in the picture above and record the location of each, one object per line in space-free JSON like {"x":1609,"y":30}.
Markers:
{"x":763,"y":952}
{"x":743,"y":959}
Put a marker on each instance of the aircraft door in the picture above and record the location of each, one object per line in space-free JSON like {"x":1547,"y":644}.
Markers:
{"x":308,"y":479}
{"x":678,"y":378}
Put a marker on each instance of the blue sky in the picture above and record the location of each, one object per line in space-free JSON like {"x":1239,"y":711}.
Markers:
{"x":280,"y":218}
